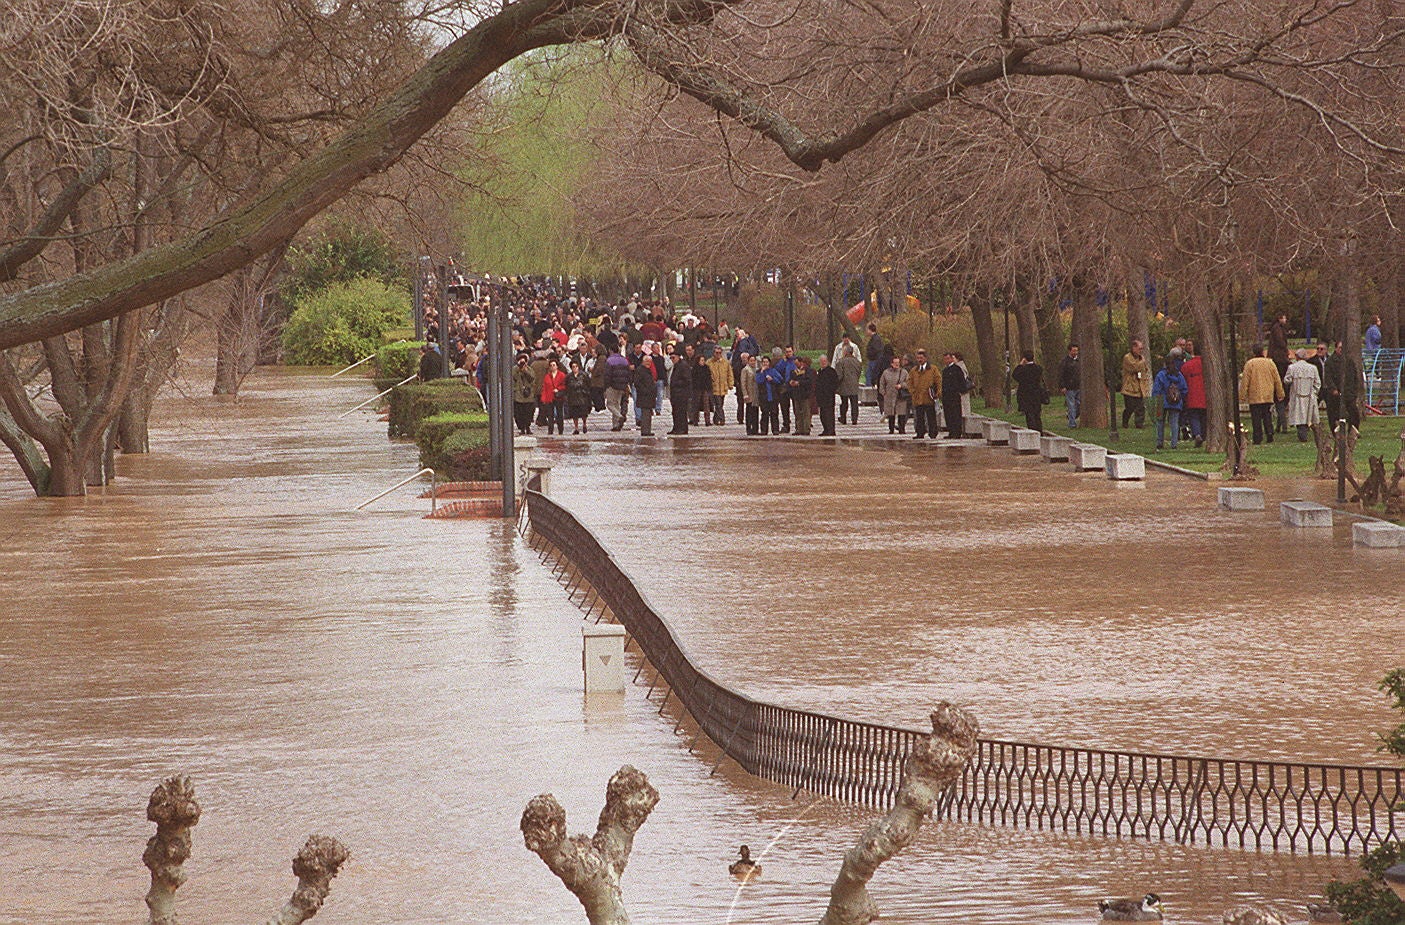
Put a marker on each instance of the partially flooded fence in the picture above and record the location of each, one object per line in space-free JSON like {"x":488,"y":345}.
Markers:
{"x":1263,"y":805}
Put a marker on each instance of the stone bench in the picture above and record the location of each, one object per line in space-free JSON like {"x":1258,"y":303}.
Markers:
{"x":868,"y":394}
{"x":1124,"y":467}
{"x":1305,"y":514}
{"x":1024,"y":441}
{"x":1086,"y":457}
{"x":1377,"y":535}
{"x":971,"y":425}
{"x":1054,"y":449}
{"x":1241,"y":499}
{"x":996,"y":433}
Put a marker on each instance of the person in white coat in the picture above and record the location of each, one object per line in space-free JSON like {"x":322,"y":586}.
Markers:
{"x":1302,"y":382}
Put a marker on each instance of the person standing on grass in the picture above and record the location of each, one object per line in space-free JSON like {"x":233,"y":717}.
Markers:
{"x":1170,"y":387}
{"x":1341,"y":384}
{"x":1029,"y":390}
{"x":1303,"y":383}
{"x":1193,"y":369}
{"x":1071,"y":384}
{"x":1136,"y":384}
{"x":1260,"y":386}
{"x":850,"y":372}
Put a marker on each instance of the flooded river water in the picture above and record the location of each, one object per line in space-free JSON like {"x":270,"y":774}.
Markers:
{"x":407,"y":685}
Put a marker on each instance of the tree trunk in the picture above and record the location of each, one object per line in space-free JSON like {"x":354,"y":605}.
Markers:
{"x":1087,"y":334}
{"x":1026,"y":333}
{"x":931,"y":770}
{"x":1138,"y":323}
{"x":1051,"y":339}
{"x":992,"y":375}
{"x":1221,"y":382}
{"x":1351,"y":309}
{"x":133,"y":423}
{"x":1390,"y":303}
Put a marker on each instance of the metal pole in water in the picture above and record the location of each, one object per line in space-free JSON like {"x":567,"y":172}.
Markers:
{"x":503,"y":387}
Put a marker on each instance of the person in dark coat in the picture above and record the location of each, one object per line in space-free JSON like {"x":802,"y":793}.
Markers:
{"x":680,"y":396}
{"x":1029,"y":390}
{"x":769,"y":382}
{"x":431,"y":363}
{"x":644,"y":389}
{"x":1341,"y":389}
{"x":954,"y":385}
{"x":802,"y":392}
{"x":826,"y":388}
{"x":702,"y":387}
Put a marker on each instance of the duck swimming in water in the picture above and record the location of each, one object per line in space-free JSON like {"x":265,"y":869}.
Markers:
{"x":1146,"y":909}
{"x":744,"y":868}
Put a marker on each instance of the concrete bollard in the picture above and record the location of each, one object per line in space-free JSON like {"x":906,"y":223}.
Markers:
{"x":602,"y":657}
{"x":996,"y":433}
{"x":1377,"y":535}
{"x":1305,"y":514}
{"x":1086,"y":457}
{"x":1023,"y":441}
{"x":1054,"y":449}
{"x":1124,"y":467}
{"x":1241,"y":499}
{"x":536,"y":467}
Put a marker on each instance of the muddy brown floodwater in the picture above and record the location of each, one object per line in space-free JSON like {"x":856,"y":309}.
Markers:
{"x":407,"y":685}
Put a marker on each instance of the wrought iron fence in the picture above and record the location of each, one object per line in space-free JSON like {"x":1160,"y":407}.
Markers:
{"x":1264,"y":805}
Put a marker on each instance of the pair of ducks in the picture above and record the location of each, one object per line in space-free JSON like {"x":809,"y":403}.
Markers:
{"x":1148,"y":909}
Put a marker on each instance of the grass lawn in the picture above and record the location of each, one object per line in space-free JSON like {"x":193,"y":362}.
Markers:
{"x":1284,"y":458}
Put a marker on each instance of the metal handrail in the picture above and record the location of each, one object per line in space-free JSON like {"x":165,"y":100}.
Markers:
{"x":1376,"y":369}
{"x":1263,"y":805}
{"x":433,"y":489}
{"x":352,"y":366}
{"x":379,"y":395}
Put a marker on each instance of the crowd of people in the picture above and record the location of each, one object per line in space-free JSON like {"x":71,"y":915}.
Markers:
{"x":576,"y":357}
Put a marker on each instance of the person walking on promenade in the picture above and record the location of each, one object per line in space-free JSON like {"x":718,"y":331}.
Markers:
{"x":722,"y":379}
{"x":955,"y":386}
{"x":702,"y":387}
{"x":1193,"y":369}
{"x":680,"y":393}
{"x":1029,"y":390}
{"x":802,"y":395}
{"x":746,"y":390}
{"x":922,"y":383}
{"x":1341,"y":383}
{"x":644,"y":389}
{"x":826,"y":389}
{"x":1260,"y":386}
{"x":1303,"y":384}
{"x":1071,"y":384}
{"x":873,"y":352}
{"x":1136,"y":384}
{"x":618,"y":380}
{"x":845,"y":344}
{"x":768,"y":390}
{"x":894,"y":397}
{"x":744,"y":346}
{"x":1170,"y":387}
{"x":524,"y":398}
{"x":786,"y":367}
{"x":553,"y":397}
{"x":578,"y":398}
{"x":850,"y":372}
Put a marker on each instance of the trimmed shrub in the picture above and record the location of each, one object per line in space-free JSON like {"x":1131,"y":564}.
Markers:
{"x":432,"y":435}
{"x":343,"y":323}
{"x":471,"y":465}
{"x":415,"y":401}
{"x":394,"y":362}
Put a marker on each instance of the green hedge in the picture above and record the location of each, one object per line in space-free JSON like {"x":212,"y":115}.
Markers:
{"x":412,"y":403}
{"x":395,"y":362}
{"x":343,"y":322}
{"x":470,"y":429}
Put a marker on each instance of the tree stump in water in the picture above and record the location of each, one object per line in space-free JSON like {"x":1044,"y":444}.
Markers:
{"x":1246,"y":471}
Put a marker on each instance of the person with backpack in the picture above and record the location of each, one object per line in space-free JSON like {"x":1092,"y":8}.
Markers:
{"x":1169,"y":386}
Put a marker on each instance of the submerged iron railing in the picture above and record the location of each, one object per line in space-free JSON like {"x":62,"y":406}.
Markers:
{"x":1264,"y":805}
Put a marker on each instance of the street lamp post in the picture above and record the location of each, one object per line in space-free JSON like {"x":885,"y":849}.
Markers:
{"x":1110,"y":376}
{"x":1006,"y":304}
